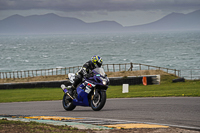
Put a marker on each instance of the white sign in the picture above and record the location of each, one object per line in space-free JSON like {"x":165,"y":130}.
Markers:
{"x":125,"y":88}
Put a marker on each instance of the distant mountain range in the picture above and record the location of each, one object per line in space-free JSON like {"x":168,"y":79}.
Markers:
{"x":173,"y":21}
{"x":54,"y":24}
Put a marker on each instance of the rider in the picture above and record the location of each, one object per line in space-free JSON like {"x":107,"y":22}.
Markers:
{"x":95,"y":62}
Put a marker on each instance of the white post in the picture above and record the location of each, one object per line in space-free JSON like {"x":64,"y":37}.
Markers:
{"x":125,"y":88}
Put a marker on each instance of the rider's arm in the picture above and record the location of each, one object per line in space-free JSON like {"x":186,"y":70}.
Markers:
{"x":84,"y":70}
{"x":86,"y":66}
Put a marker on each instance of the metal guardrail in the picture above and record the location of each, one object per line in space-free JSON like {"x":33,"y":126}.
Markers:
{"x":66,"y":70}
{"x":190,"y":74}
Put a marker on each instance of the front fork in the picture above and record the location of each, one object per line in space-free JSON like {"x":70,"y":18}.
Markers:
{"x":95,"y":95}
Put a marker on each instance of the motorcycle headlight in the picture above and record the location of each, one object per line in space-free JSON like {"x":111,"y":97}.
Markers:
{"x":104,"y":82}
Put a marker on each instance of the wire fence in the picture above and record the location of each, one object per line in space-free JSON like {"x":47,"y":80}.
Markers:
{"x":191,"y":74}
{"x":66,"y":70}
{"x":137,"y":66}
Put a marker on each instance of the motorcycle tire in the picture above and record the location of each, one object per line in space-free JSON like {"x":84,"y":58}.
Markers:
{"x":98,"y":102}
{"x":67,"y":103}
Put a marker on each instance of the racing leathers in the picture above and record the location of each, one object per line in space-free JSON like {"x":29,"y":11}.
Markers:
{"x":85,"y":70}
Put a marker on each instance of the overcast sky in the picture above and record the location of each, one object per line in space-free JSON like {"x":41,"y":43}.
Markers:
{"x":125,"y":12}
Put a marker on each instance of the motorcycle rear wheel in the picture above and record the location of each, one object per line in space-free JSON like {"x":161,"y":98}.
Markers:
{"x":68,"y":103}
{"x":98,"y":102}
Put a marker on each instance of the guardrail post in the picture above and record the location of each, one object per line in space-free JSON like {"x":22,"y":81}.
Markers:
{"x":32,"y":73}
{"x":175,"y":72}
{"x":13,"y":75}
{"x":178,"y":73}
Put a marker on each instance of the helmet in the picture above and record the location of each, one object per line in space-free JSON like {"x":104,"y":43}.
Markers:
{"x":97,"y":61}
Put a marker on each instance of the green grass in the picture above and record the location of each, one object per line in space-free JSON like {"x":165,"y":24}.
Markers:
{"x":165,"y":89}
{"x":35,"y":94}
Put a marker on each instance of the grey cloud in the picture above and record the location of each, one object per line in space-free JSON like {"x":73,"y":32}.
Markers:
{"x":95,"y":5}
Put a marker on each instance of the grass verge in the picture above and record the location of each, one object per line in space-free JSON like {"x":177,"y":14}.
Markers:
{"x":165,"y":89}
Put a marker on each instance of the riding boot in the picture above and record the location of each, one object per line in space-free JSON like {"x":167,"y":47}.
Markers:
{"x":71,"y":90}
{"x":68,"y":89}
{"x":64,"y":88}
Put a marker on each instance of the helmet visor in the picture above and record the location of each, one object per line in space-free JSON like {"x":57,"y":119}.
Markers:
{"x":99,"y":64}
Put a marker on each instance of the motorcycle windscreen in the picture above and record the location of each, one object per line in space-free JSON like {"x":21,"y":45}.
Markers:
{"x":100,"y":71}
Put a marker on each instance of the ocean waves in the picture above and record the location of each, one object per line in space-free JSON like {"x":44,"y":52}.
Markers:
{"x":176,"y":50}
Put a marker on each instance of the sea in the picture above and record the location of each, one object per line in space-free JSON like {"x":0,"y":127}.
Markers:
{"x":169,"y":49}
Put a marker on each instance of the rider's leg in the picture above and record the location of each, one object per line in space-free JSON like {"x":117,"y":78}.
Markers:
{"x":77,"y":80}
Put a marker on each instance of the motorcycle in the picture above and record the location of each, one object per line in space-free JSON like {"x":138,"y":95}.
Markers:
{"x":91,"y":92}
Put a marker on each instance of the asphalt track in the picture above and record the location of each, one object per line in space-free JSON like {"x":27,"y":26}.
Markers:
{"x":170,"y":111}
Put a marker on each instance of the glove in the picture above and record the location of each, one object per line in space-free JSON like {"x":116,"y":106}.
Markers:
{"x":89,"y":75}
{"x":83,"y":71}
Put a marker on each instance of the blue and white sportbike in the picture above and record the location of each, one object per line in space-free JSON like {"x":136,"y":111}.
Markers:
{"x":91,"y":92}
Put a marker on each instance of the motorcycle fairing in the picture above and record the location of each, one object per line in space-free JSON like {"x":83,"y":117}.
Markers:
{"x":82,"y":98}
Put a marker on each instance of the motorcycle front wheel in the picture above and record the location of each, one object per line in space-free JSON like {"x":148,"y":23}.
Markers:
{"x":97,"y":102}
{"x":68,"y":103}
